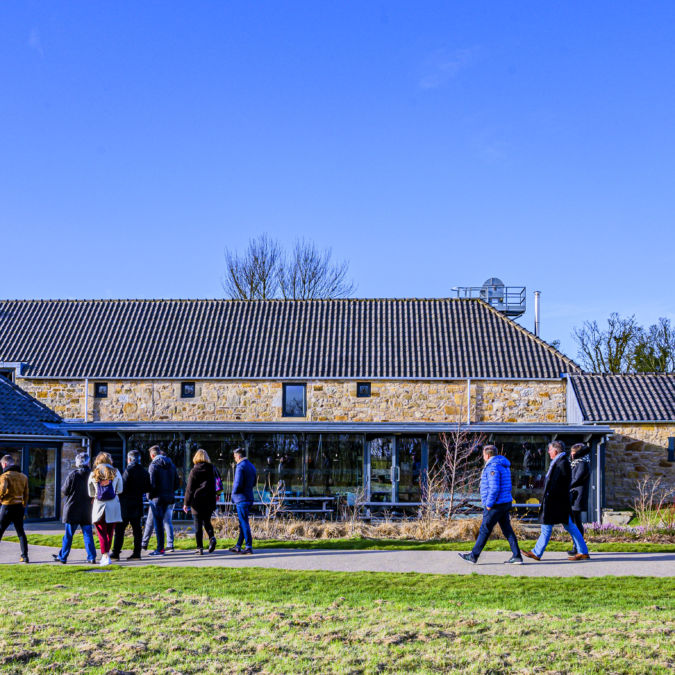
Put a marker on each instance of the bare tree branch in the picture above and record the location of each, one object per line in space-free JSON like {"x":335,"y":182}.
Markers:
{"x":610,"y":350}
{"x":254,"y":275}
{"x":308,"y":274}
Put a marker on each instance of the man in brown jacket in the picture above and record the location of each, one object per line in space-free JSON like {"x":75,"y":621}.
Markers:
{"x":13,"y":501}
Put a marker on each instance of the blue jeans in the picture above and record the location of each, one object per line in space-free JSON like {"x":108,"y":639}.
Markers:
{"x":150,"y":527}
{"x":159,"y":508}
{"x":67,"y":542}
{"x":545,"y":536}
{"x":498,"y":514}
{"x":243,"y":509}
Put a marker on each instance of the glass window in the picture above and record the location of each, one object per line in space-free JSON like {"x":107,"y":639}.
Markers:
{"x":529,"y":463}
{"x":278,"y":459}
{"x":7,"y":373}
{"x":410,"y":469}
{"x":220,"y":449}
{"x":334,"y":464}
{"x":187,"y":390}
{"x":41,"y":483}
{"x":294,"y":400}
{"x":100,"y":390}
{"x":173,"y":445}
{"x":362,"y":389}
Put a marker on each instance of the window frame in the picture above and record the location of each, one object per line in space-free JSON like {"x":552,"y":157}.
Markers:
{"x":358,"y":389}
{"x":98,"y":388}
{"x":185,"y":384}
{"x":285,"y":386}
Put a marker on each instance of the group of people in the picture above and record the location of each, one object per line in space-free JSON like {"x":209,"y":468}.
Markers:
{"x":101,"y":497}
{"x":565,"y":497}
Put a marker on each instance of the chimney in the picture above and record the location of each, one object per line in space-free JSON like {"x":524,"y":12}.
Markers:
{"x":537,"y":294}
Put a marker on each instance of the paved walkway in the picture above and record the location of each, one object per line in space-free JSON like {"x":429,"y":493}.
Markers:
{"x":426,"y":562}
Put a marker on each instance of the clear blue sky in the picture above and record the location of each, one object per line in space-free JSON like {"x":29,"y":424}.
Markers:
{"x":432,"y":144}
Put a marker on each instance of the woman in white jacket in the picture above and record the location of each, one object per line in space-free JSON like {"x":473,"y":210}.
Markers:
{"x":105,"y":484}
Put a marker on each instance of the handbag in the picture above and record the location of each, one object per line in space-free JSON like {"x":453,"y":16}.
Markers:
{"x":219,"y":481}
{"x":105,"y":491}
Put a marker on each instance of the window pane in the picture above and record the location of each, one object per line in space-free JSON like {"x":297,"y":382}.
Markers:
{"x":41,"y":483}
{"x":334,"y":464}
{"x":278,"y":459}
{"x":171,"y":444}
{"x":294,"y":400}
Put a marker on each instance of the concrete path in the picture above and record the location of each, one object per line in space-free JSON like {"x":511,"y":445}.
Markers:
{"x":426,"y":562}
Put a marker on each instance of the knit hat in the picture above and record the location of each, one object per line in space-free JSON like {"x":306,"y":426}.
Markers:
{"x":82,"y":459}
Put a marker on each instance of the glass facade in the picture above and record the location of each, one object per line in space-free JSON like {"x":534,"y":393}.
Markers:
{"x":40,"y":464}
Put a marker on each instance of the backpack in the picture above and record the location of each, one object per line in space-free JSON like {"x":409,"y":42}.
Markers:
{"x":105,"y":491}
{"x":219,"y":481}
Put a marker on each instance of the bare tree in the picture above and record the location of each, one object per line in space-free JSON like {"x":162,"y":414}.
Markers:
{"x":451,"y":484}
{"x":264,"y":271}
{"x":655,"y":349}
{"x":308,"y":273}
{"x":254,"y":274}
{"x":625,"y":346}
{"x":610,"y":350}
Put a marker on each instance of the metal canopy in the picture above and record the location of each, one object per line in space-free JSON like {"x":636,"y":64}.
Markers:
{"x":334,"y":427}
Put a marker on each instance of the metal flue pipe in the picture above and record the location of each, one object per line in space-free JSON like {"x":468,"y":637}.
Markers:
{"x":537,"y":295}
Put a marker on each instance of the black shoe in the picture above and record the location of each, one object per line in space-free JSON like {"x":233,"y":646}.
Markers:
{"x":468,"y":557}
{"x":170,"y":549}
{"x":572,"y":551}
{"x":234,"y":549}
{"x":114,"y":556}
{"x":145,"y":547}
{"x":133,"y":556}
{"x":91,"y":561}
{"x":513,"y":560}
{"x":212,"y":544}
{"x":58,"y":559}
{"x":199,"y":551}
{"x":24,"y":559}
{"x":246,"y":551}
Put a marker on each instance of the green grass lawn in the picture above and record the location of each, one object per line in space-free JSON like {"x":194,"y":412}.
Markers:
{"x":359,"y":543}
{"x":151,"y":620}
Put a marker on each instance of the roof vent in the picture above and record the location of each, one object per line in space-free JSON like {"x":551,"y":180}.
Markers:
{"x":510,"y":300}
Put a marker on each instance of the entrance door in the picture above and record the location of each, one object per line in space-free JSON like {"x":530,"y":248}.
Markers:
{"x":380,"y":485}
{"x":409,"y":472}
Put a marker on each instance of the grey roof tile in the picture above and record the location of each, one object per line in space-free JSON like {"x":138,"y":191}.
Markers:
{"x":21,"y":414}
{"x":648,"y":397}
{"x":274,"y":339}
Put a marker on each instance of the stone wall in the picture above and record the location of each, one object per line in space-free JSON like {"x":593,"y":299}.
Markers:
{"x":635,"y":452}
{"x":391,"y":401}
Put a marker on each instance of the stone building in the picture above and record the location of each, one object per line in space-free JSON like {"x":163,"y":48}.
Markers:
{"x":328,"y":396}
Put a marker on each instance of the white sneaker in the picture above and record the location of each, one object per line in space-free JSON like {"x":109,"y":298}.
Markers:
{"x":105,"y":560}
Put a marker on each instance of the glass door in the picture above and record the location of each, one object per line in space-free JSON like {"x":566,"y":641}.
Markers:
{"x":41,"y":483}
{"x":380,"y":474}
{"x":409,"y":469}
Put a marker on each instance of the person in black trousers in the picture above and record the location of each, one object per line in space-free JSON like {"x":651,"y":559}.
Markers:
{"x":580,"y":478}
{"x":136,"y":483}
{"x":200,"y":497}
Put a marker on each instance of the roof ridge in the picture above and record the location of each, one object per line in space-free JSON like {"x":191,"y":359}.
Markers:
{"x":280,"y":300}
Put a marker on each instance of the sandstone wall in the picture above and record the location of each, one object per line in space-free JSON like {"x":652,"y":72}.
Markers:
{"x":391,"y":401}
{"x":633,"y":453}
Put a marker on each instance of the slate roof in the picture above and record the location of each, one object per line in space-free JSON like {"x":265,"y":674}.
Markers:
{"x":272,"y":339}
{"x":648,"y":397}
{"x":21,"y":414}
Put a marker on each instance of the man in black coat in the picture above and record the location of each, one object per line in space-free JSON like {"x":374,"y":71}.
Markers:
{"x":555,"y":505}
{"x":580,"y":478}
{"x":163,"y":484}
{"x":77,"y":510}
{"x":136,"y":483}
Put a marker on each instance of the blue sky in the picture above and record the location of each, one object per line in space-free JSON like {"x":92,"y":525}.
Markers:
{"x":432,"y":144}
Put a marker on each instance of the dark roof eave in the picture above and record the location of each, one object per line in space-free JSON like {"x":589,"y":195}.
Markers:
{"x":331,"y":427}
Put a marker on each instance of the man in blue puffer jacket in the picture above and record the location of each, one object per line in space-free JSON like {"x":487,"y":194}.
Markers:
{"x":495,"y":495}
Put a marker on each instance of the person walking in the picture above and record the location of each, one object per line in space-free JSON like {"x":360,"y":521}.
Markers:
{"x":242,"y":498}
{"x":105,"y":485}
{"x":495,"y":495}
{"x":555,"y":505}
{"x":200,"y":498}
{"x":580,"y":478}
{"x":163,"y":484}
{"x":77,"y":510}
{"x":13,"y":501}
{"x":136,"y":484}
